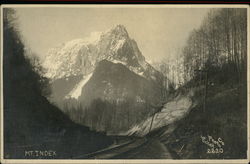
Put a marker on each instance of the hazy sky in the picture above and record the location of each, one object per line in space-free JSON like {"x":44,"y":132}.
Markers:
{"x":157,"y":31}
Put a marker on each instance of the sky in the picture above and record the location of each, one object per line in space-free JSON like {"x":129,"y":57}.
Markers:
{"x":159,"y":32}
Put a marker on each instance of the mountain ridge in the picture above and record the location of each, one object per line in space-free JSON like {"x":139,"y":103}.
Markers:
{"x":80,"y":56}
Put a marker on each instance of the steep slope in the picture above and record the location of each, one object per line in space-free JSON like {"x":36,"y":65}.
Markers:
{"x":35,"y":124}
{"x":115,"y":82}
{"x":30,"y":121}
{"x":172,"y":111}
{"x":223,"y":119}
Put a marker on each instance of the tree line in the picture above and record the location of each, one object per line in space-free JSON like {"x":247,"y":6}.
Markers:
{"x":109,"y":116}
{"x":218,"y":45}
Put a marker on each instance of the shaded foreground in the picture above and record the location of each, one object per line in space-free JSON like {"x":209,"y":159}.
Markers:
{"x":136,"y":148}
{"x":31,"y":123}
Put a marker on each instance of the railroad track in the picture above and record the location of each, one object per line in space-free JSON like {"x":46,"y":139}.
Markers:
{"x":116,"y":151}
{"x":131,"y":152}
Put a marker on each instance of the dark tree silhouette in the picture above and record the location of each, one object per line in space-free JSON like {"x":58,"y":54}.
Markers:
{"x":30,"y":121}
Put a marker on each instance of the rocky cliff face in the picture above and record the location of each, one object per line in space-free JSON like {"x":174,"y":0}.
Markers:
{"x":106,"y":66}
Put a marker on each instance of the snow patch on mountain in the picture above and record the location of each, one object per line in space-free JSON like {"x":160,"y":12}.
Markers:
{"x":76,"y":92}
{"x":136,"y":70}
{"x":118,"y":61}
{"x":118,"y":45}
{"x":63,"y":61}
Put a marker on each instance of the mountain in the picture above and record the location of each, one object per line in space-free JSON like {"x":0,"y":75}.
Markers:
{"x":79,"y":57}
{"x":107,"y":66}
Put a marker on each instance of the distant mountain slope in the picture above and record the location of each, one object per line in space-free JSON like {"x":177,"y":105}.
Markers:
{"x":108,"y":66}
{"x":129,"y":94}
{"x":114,"y":82}
{"x":78,"y":58}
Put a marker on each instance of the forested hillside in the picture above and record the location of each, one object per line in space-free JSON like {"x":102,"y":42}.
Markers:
{"x":215,"y":65}
{"x":219,"y":44}
{"x":31,"y":123}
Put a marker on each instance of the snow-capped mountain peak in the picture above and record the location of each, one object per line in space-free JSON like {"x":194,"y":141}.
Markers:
{"x":105,"y":66}
{"x":119,"y":30}
{"x":79,"y":56}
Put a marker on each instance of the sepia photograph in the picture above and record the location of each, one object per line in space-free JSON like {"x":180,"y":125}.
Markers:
{"x":124,"y":82}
